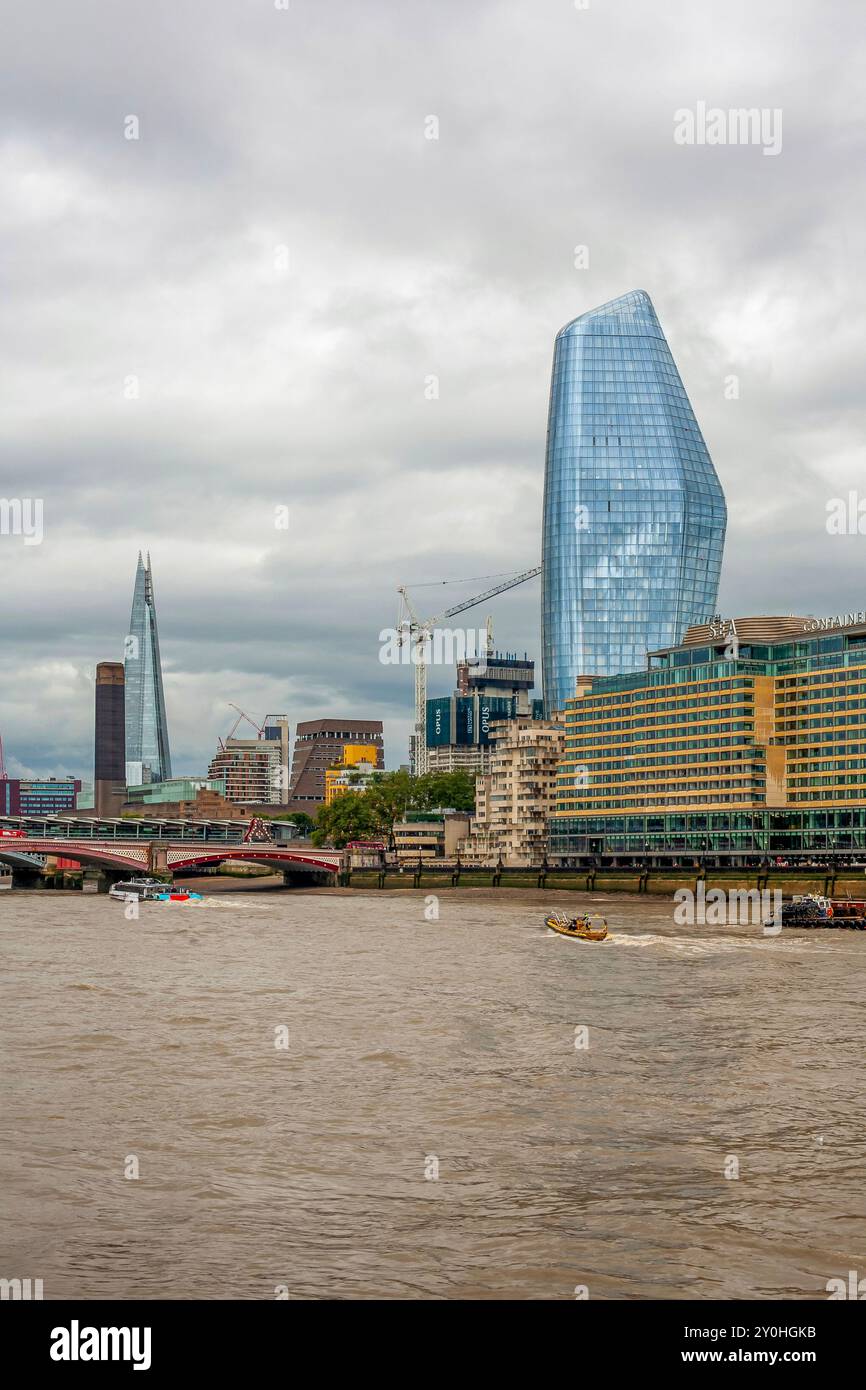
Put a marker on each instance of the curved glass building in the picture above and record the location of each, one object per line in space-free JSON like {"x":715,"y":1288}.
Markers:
{"x":634,"y":514}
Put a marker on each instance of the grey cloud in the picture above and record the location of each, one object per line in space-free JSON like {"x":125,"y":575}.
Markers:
{"x":407,"y":258}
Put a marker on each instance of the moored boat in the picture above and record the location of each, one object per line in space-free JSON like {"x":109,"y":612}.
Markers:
{"x":810,"y":910}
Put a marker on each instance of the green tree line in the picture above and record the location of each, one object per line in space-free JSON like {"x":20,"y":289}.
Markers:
{"x":370,"y":812}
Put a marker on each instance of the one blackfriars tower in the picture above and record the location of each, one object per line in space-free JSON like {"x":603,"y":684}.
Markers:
{"x":148,"y":758}
{"x":634,"y":514}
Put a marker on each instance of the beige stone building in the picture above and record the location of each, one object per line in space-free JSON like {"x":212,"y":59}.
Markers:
{"x":431,"y":836}
{"x":513,"y":801}
{"x":453,"y":757}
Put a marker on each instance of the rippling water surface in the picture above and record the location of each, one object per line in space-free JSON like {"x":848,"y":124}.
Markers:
{"x":412,"y":1043}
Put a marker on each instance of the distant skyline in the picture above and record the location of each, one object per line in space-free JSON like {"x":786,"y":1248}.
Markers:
{"x":327,"y":276}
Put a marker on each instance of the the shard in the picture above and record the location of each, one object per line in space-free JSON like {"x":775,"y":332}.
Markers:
{"x":634,"y":514}
{"x":148,"y":758}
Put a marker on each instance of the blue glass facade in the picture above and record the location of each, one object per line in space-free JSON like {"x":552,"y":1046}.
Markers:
{"x":146,"y":725}
{"x":634,"y":514}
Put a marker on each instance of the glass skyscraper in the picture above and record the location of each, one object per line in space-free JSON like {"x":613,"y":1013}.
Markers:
{"x":634,"y":514}
{"x":147,"y":752}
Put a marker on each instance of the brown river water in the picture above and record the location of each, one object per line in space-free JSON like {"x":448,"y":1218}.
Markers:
{"x":434,"y":1127}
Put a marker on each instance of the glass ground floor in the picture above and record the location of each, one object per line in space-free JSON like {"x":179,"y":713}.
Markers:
{"x":725,"y":834}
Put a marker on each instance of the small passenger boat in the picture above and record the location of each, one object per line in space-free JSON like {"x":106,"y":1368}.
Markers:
{"x":151,"y":890}
{"x":581,"y":928}
{"x":144,"y":889}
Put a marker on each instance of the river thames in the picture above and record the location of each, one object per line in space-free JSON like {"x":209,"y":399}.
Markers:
{"x":329,"y":1096}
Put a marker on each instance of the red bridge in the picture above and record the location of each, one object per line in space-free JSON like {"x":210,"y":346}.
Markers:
{"x":160,"y":846}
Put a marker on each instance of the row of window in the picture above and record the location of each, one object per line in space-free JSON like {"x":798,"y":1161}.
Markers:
{"x":666,"y":799}
{"x":665,"y":746}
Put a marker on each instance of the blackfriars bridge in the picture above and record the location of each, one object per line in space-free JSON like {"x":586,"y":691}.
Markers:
{"x":135,"y":846}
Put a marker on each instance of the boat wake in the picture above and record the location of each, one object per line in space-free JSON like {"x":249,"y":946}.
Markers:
{"x":712,"y":946}
{"x":238,"y":902}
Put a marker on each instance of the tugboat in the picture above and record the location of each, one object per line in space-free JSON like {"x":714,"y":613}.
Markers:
{"x":581,"y":928}
{"x":814,"y":910}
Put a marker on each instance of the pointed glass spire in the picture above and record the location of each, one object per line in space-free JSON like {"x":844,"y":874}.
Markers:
{"x":147,"y":751}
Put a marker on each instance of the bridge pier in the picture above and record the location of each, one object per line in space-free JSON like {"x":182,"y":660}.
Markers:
{"x":306,"y":878}
{"x":157,"y":857}
{"x":94,"y":881}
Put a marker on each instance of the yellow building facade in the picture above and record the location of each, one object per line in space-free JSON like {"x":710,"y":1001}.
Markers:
{"x":748,"y":739}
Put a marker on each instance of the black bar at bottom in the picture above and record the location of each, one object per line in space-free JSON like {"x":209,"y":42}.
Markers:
{"x":162,"y":1338}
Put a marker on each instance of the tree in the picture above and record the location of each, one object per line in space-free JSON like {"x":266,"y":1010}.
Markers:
{"x":454,"y":789}
{"x":373,"y":812}
{"x":304,"y":822}
{"x":390,"y":795}
{"x":349,"y":817}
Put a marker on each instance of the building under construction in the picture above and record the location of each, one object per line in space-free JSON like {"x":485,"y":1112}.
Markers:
{"x":459,"y":727}
{"x":255,"y":770}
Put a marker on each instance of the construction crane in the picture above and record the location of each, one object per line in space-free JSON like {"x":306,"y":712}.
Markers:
{"x":241,"y":715}
{"x":417,"y":631}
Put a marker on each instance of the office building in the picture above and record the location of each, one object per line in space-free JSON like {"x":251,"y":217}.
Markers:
{"x":147,"y":749}
{"x":249,"y":769}
{"x":255,"y":771}
{"x":460,"y":726}
{"x":746,"y":740}
{"x":319,"y":745}
{"x":42,"y":796}
{"x":634,"y":514}
{"x":173,"y":789}
{"x":275,"y":731}
{"x":515,"y":799}
{"x":109,"y":763}
{"x":430,"y":835}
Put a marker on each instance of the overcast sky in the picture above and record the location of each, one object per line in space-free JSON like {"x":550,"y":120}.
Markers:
{"x":282,"y":260}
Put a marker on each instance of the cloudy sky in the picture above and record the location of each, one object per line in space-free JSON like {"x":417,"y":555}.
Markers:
{"x":241,"y":310}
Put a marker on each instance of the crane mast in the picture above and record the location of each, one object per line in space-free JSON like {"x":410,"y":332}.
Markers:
{"x":417,"y":631}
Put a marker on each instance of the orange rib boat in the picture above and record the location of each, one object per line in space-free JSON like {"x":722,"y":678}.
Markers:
{"x":581,"y":928}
